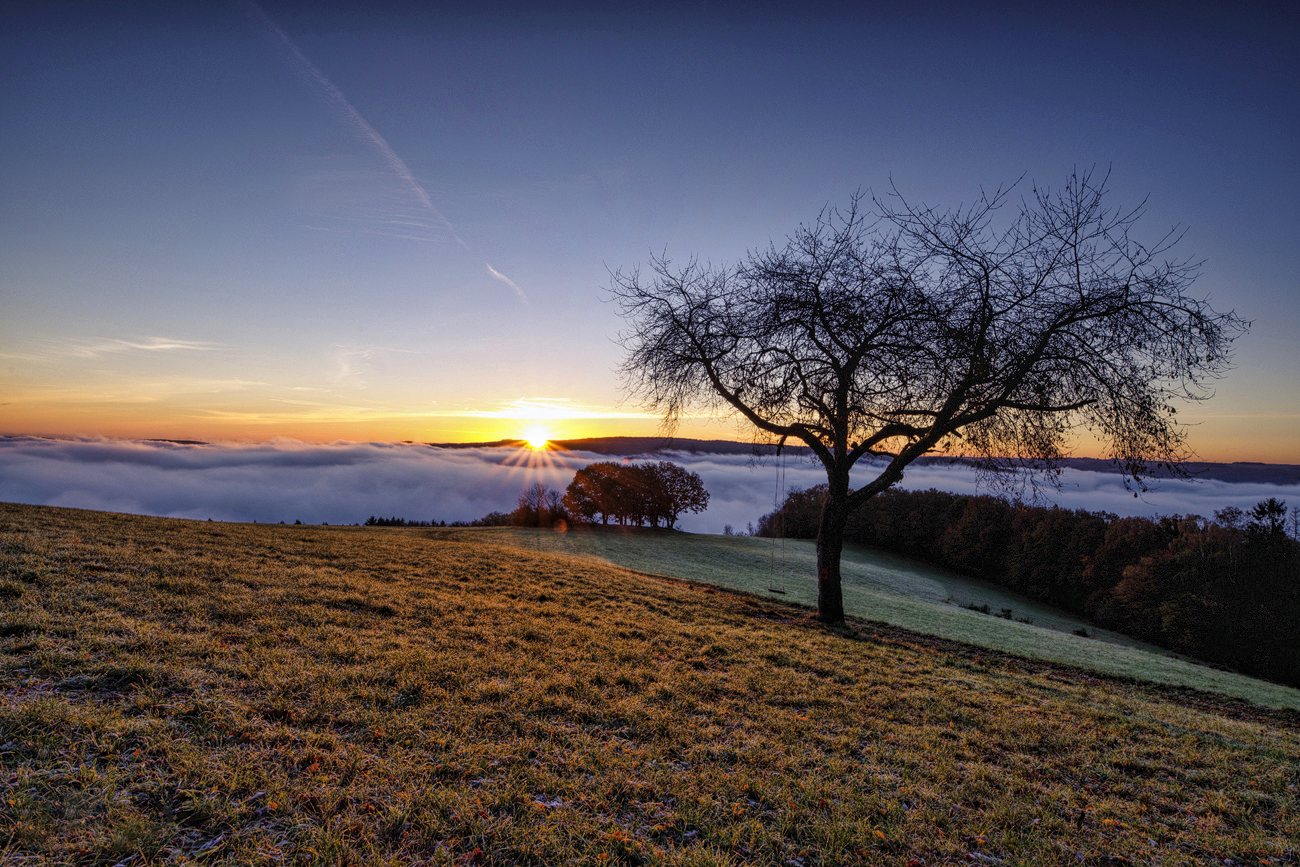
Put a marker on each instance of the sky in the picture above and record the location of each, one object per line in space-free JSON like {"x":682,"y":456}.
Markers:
{"x":250,"y":222}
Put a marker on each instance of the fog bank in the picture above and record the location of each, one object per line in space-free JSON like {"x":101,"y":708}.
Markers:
{"x":346,"y":482}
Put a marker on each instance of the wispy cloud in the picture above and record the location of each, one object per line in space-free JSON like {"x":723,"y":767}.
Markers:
{"x":47,"y":350}
{"x":351,"y":118}
{"x":506,"y":280}
{"x":105,"y":388}
{"x":541,"y":408}
{"x":90,"y":349}
{"x":354,"y":362}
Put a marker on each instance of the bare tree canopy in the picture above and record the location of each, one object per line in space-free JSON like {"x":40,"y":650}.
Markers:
{"x":994,"y":330}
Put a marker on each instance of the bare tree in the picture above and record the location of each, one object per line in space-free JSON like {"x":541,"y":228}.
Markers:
{"x":1230,"y":517}
{"x":539,"y":506}
{"x":901,"y":331}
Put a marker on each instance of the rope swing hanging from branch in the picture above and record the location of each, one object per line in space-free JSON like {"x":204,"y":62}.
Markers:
{"x":779,"y":513}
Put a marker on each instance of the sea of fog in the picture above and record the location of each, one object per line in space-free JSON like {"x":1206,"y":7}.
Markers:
{"x":347,"y":482}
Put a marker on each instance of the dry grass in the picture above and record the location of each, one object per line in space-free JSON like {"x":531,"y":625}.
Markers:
{"x":179,"y":691}
{"x":883,"y":587}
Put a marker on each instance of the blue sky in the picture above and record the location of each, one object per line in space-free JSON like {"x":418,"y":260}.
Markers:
{"x":244,"y":221}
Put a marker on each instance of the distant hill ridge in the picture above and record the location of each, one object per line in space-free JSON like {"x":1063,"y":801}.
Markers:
{"x":638,"y":446}
{"x":1238,"y":472}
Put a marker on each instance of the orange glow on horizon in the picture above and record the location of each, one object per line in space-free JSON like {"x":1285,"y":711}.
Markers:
{"x":1235,"y":435}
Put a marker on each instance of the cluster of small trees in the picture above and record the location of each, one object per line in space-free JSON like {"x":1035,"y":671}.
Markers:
{"x":635,"y":493}
{"x":656,"y":494}
{"x":539,"y":506}
{"x":1226,"y":590}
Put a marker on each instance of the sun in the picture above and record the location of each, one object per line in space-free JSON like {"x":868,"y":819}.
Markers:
{"x":536,"y":437}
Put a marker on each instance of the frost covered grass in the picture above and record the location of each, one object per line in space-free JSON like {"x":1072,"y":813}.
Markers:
{"x":899,"y":591}
{"x":175,"y":691}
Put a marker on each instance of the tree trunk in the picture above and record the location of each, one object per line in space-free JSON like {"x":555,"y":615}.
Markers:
{"x":830,"y":545}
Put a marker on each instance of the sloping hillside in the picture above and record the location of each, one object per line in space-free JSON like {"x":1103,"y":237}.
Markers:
{"x":900,"y":591}
{"x":174,"y":690}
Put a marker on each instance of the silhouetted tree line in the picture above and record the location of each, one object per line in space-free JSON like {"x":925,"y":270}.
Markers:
{"x":372,"y":521}
{"x":638,"y":494}
{"x":1225,"y":590}
{"x":491,"y":519}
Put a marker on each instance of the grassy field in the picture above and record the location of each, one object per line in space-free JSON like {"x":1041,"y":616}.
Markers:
{"x":185,"y":692}
{"x":901,"y":592}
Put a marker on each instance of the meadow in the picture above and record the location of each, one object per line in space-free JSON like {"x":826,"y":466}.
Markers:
{"x":901,"y":591}
{"x":193,"y":692}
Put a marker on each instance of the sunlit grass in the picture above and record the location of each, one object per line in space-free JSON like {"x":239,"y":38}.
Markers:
{"x":181,"y":691}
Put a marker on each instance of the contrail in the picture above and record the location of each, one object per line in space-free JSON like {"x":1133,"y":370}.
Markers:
{"x":506,"y":280}
{"x":335,"y":99}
